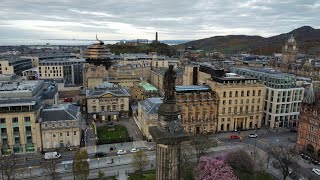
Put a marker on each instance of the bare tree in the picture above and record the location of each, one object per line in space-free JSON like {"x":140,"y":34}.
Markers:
{"x":140,"y":161}
{"x":50,"y":168}
{"x":202,"y":143}
{"x":240,"y":160}
{"x":285,"y":156}
{"x":7,"y":166}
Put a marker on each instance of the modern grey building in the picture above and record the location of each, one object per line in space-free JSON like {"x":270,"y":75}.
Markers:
{"x":14,"y":65}
{"x":20,"y":106}
{"x":282,"y":96}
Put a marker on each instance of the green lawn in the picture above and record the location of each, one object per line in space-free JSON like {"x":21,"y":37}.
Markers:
{"x":120,"y":134}
{"x":260,"y":176}
{"x":148,"y":175}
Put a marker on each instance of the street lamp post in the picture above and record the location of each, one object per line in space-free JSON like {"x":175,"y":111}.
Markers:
{"x":30,"y":170}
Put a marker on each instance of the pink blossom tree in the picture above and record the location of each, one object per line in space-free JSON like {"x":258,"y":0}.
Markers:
{"x":214,"y":168}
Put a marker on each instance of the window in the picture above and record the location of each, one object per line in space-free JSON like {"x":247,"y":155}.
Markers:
{"x":253,"y":100}
{"x":224,"y":94}
{"x":67,"y":124}
{"x":236,"y":101}
{"x":53,"y":125}
{"x":229,"y":110}
{"x":236,"y":93}
{"x":28,"y":128}
{"x":242,"y":93}
{"x":224,"y":102}
{"x":60,"y":134}
{"x":259,"y":100}
{"x":247,"y":101}
{"x":248,"y":93}
{"x":223,"y":110}
{"x":26,"y":119}
{"x":53,"y":135}
{"x":258,"y":108}
{"x":46,"y":125}
{"x":94,"y":108}
{"x":67,"y":133}
{"x":241,"y":101}
{"x":253,"y":92}
{"x":15,"y":120}
{"x":74,"y":132}
{"x":222,"y":119}
{"x":259,"y":93}
{"x":102,"y":108}
{"x":2,"y":120}
{"x":230,"y":101}
{"x":230,"y":94}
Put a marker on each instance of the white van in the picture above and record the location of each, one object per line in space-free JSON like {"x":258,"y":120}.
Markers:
{"x":52,"y":155}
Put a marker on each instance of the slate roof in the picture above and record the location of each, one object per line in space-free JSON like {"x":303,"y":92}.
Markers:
{"x":60,"y":113}
{"x":151,"y":105}
{"x":114,"y":91}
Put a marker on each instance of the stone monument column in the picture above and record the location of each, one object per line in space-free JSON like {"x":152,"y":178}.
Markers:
{"x":168,"y":134}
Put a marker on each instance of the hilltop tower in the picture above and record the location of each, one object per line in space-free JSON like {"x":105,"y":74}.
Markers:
{"x":156,"y":36}
{"x":289,"y":53}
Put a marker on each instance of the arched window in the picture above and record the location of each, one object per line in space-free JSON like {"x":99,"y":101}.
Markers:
{"x":310,"y":149}
{"x":222,"y":127}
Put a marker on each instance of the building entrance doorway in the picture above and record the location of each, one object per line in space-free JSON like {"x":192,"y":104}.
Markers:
{"x":197,"y":130}
{"x":109,"y":118}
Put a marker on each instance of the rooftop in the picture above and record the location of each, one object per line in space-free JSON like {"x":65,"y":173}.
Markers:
{"x":59,"y":112}
{"x":192,"y":88}
{"x":19,"y":86}
{"x":151,"y":105}
{"x":268,"y":71}
{"x":147,"y":86}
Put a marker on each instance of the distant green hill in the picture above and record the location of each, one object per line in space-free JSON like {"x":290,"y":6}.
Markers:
{"x":160,"y":48}
{"x":308,"y":40}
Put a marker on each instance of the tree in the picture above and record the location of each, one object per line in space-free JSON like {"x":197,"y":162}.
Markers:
{"x":81,"y":165}
{"x":214,"y":168}
{"x":240,"y":160}
{"x":202,"y":144}
{"x":50,"y":168}
{"x":101,"y":175}
{"x":140,"y":161}
{"x":7,"y":166}
{"x":187,"y":161}
{"x":285,"y":156}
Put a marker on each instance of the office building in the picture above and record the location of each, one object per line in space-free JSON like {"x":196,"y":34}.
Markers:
{"x":282,"y":100}
{"x":14,"y":65}
{"x":20,"y":106}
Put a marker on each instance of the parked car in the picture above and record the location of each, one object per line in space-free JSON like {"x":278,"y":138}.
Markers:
{"x":100,"y":154}
{"x":234,"y":137}
{"x":316,"y":171}
{"x":52,"y":155}
{"x":134,"y":150}
{"x":253,"y":136}
{"x":120,"y":152}
{"x":151,"y":148}
{"x":67,"y":99}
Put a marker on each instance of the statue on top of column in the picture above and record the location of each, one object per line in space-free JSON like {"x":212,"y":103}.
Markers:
{"x":169,"y":81}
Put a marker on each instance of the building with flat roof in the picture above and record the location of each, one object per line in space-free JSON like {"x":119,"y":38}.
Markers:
{"x":282,"y":100}
{"x":14,"y":65}
{"x":199,"y":106}
{"x":60,"y":127}
{"x":69,"y":71}
{"x":20,"y":106}
{"x":240,"y":102}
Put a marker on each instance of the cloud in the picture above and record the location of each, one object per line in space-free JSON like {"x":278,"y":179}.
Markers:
{"x":173,"y":19}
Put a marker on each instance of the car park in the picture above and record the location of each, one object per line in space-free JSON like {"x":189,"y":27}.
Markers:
{"x":120,"y":152}
{"x":253,"y":136}
{"x":134,"y":150}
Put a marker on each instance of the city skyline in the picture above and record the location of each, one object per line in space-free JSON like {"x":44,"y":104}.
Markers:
{"x":141,"y":18}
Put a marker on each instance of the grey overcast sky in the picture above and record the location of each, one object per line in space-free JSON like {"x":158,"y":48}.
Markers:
{"x":173,"y":19}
